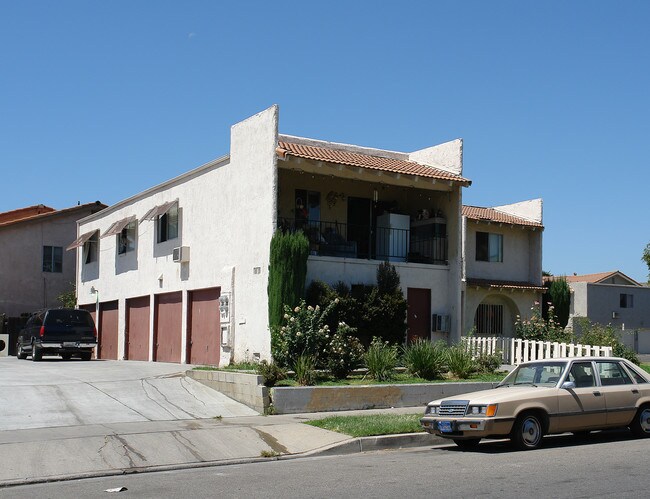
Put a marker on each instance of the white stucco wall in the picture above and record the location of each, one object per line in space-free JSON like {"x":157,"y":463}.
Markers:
{"x":226,"y":217}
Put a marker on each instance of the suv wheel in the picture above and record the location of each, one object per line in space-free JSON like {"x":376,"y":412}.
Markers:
{"x":37,"y":353}
{"x":22,"y":355}
{"x":86,"y":355}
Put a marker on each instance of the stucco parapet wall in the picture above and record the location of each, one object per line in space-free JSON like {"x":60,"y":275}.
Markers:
{"x":294,"y":400}
{"x":246,"y":388}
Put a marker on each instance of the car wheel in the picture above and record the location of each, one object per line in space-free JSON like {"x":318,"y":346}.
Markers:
{"x":467,"y":443}
{"x":37,"y":353}
{"x":86,"y":355}
{"x":527,"y":432}
{"x":641,"y":423}
{"x":20,"y":353}
{"x":66,"y":356}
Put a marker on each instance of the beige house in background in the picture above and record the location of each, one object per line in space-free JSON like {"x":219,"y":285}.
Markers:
{"x":35,"y":269}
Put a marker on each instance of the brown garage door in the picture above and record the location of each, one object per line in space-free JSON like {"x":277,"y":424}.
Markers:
{"x":107,"y":330}
{"x":168,"y":321}
{"x":203,"y":327}
{"x":137,"y":328}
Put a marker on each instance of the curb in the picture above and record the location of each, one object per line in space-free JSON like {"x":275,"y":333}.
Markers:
{"x":352,"y":446}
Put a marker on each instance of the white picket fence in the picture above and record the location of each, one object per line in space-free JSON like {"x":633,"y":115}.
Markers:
{"x":514,"y":351}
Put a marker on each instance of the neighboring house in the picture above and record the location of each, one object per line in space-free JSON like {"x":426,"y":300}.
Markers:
{"x":613,"y":298}
{"x":34,"y":269}
{"x":179,"y":272}
{"x":503,"y":266}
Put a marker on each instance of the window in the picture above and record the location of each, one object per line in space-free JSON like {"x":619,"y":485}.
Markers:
{"x":627,"y":301}
{"x":126,"y":239}
{"x":611,"y":373}
{"x":52,"y":259}
{"x":489,"y":247}
{"x":168,"y":224}
{"x":307,"y":208}
{"x":582,"y":374}
{"x":488,"y":320}
{"x":91,"y":247}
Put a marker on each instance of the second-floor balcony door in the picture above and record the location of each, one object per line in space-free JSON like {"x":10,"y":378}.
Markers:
{"x":359,"y":224}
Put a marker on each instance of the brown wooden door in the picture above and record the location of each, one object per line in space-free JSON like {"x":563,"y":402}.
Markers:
{"x":203,"y":336}
{"x":168,"y":324}
{"x":108,"y":330}
{"x":137,"y":328}
{"x":419,"y":313}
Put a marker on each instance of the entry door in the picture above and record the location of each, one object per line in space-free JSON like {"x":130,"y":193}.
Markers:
{"x":359,"y":224}
{"x":419,"y":313}
{"x":204,"y":327}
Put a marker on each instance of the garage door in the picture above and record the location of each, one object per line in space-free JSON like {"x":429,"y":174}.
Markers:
{"x":168,"y":321}
{"x":203,"y":329}
{"x":137,"y":328}
{"x":107,"y":330}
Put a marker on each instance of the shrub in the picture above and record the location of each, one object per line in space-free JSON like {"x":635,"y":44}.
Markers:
{"x":540,"y":329}
{"x":622,"y":350}
{"x":424,"y":359}
{"x":560,"y":297}
{"x":460,"y":362}
{"x":381,"y":360}
{"x":488,"y":363}
{"x":345,"y":352}
{"x":271,"y":372}
{"x":304,"y":370}
{"x":599,"y":335}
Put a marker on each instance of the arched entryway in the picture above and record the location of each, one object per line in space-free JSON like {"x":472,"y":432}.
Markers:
{"x":495,"y":316}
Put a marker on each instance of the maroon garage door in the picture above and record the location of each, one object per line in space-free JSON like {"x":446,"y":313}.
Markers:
{"x":107,"y":330}
{"x":168,"y":322}
{"x":203,"y":327}
{"x":137,"y":328}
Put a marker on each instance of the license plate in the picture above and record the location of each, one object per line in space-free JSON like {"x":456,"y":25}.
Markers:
{"x":444,"y":426}
{"x":69,"y":344}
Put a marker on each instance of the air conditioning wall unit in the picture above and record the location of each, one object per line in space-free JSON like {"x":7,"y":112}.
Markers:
{"x":615,"y":315}
{"x":440,"y":323}
{"x":181,"y":254}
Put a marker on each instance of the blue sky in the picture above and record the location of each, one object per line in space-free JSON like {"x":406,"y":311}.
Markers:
{"x":101,"y":100}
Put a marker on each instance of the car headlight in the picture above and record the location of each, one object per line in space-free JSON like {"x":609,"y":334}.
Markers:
{"x":431,"y":409}
{"x":488,"y":410}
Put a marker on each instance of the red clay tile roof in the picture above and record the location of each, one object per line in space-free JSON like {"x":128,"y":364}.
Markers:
{"x":341,"y":157}
{"x":493,"y":284}
{"x":492,"y":215}
{"x":46,"y":213}
{"x":20,"y":213}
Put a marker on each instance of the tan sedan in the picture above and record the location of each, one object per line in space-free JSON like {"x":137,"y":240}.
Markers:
{"x":545,"y":397}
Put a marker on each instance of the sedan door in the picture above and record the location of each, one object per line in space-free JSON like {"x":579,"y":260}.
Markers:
{"x":582,"y":407}
{"x":620,"y":392}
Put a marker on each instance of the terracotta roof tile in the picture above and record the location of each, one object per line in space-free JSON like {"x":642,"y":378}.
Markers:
{"x":494,"y":284}
{"x":492,"y":215}
{"x":48,"y":213}
{"x":341,"y":157}
{"x":20,"y":213}
{"x":593,"y":278}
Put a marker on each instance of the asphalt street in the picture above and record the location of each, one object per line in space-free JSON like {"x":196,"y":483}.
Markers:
{"x":605,"y":465}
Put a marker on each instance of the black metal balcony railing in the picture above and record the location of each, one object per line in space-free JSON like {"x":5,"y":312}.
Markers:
{"x":368,"y":242}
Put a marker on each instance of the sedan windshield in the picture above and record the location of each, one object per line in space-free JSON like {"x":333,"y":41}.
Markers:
{"x":537,"y":374}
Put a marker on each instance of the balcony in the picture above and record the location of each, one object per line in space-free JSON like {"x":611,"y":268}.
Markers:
{"x":420,"y":243}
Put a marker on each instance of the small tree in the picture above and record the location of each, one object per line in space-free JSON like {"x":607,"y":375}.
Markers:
{"x":646,"y":259}
{"x":560,"y":297}
{"x":68,"y":299}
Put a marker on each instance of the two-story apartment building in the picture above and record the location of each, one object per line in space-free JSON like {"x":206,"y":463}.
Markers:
{"x":35,"y":269}
{"x":179,"y":272}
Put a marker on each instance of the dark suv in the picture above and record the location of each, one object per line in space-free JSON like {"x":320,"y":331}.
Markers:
{"x":58,"y":331}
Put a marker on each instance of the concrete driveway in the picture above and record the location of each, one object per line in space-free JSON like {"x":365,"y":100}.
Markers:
{"x":57,"y":393}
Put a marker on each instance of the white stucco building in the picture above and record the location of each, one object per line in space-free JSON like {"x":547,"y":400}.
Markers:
{"x":179,"y":272}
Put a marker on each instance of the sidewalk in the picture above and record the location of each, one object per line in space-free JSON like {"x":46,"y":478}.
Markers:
{"x":49,"y":454}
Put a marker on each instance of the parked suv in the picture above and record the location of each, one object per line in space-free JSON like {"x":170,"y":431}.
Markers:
{"x":58,"y":331}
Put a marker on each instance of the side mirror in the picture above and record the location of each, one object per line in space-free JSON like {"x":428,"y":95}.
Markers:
{"x":568,"y":385}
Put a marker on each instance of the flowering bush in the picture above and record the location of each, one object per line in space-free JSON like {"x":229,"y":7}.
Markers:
{"x":345,"y":352}
{"x":540,"y":329}
{"x":305,"y":332}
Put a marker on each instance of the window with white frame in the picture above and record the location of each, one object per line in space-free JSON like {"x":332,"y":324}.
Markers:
{"x":489,"y":247}
{"x":168,"y":224}
{"x":52,"y":259}
{"x":627,"y":300}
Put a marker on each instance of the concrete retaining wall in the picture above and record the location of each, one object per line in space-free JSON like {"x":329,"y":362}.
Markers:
{"x":292,"y":400}
{"x":246,"y":388}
